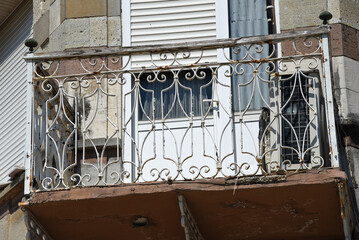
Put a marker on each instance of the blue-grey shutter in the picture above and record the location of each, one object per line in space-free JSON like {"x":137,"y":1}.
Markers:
{"x":14,"y":31}
{"x":248,"y":18}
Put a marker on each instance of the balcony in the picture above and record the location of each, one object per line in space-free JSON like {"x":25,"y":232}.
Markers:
{"x":158,"y":121}
{"x":228,"y":108}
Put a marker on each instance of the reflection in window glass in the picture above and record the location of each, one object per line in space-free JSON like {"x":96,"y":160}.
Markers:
{"x":296,"y":111}
{"x":166,"y":98}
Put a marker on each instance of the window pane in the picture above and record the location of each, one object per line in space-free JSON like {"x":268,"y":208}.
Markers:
{"x":169,"y":98}
{"x":295,"y":91}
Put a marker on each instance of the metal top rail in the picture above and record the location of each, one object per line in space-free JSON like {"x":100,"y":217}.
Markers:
{"x":211,"y":44}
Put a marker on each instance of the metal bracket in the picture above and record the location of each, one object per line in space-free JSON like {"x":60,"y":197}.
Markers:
{"x":187,"y":221}
{"x":346,"y":211}
{"x":35,"y":231}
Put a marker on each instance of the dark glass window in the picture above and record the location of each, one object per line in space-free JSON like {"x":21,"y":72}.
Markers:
{"x":295,"y":91}
{"x":159,"y":96}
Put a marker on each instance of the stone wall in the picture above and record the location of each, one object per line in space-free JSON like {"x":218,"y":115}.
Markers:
{"x":71,"y":24}
{"x":67,"y":24}
{"x":304,"y":13}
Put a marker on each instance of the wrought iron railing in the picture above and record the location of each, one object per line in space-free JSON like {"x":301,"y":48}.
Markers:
{"x":231,"y":107}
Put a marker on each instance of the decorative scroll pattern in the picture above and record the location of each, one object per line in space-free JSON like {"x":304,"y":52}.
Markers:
{"x":105,"y":122}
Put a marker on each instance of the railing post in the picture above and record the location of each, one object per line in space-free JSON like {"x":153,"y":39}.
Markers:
{"x":29,"y":126}
{"x":329,"y":102}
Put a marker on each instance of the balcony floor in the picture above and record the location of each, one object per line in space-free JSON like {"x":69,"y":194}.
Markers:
{"x":298,"y":206}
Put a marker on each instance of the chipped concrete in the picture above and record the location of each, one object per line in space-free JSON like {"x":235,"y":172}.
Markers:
{"x":308,"y":224}
{"x":288,"y":208}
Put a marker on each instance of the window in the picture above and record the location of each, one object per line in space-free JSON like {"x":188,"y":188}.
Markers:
{"x":171,"y":94}
{"x":164,"y":93}
{"x":295,"y":133}
{"x":166,"y":97}
{"x":246,"y":18}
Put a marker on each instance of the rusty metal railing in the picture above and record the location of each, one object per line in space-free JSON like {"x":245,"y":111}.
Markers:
{"x":230,"y":107}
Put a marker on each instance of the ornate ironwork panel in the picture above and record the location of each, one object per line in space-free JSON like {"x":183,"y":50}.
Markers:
{"x":100,"y":120}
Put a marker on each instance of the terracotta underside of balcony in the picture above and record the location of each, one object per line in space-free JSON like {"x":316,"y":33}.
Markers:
{"x":297,"y":206}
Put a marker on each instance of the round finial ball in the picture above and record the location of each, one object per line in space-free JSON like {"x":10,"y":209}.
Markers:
{"x":31,"y":44}
{"x":325,"y":16}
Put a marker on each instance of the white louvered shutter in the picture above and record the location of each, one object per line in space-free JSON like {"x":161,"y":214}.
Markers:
{"x":167,"y":22}
{"x":13,"y":32}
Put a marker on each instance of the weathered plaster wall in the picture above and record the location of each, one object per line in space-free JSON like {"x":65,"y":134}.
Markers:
{"x":297,"y":14}
{"x":349,"y":12}
{"x":306,"y":205}
{"x":346,"y":72}
{"x":12,"y":226}
{"x":304,"y":13}
{"x":12,"y":218}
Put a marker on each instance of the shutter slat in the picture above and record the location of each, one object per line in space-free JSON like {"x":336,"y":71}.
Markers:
{"x":162,"y":22}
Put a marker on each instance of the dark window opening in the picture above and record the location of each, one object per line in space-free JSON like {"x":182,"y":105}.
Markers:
{"x":271,"y":17}
{"x":295,"y":91}
{"x":158,"y":96}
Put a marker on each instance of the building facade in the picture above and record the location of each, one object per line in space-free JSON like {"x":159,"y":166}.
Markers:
{"x":180,"y":120}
